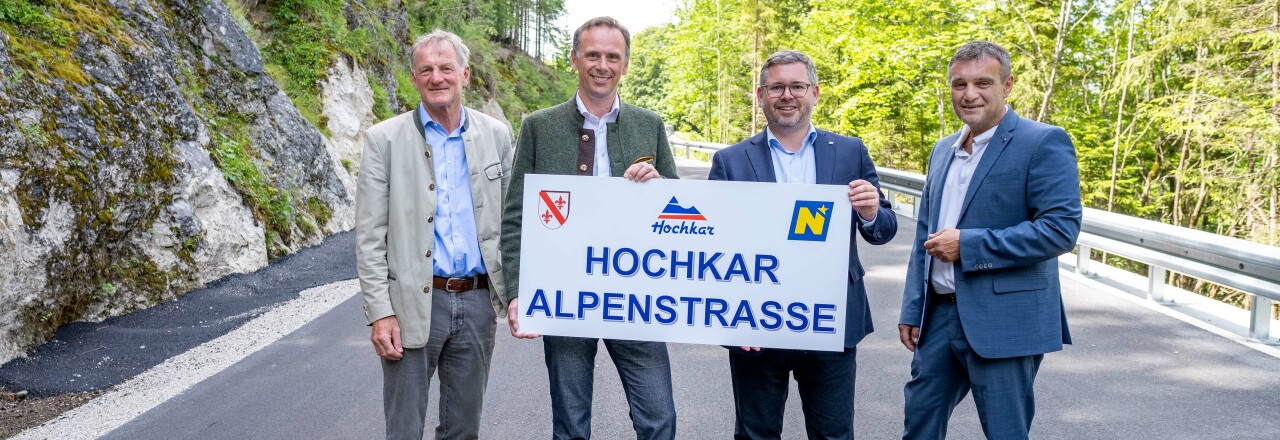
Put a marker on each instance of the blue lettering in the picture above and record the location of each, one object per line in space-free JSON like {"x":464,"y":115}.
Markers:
{"x":603,"y":260}
{"x":687,"y":264}
{"x":560,"y":302}
{"x":704,"y":265}
{"x":665,"y":305}
{"x":661,"y":270}
{"x":776,"y":322}
{"x":617,"y":266}
{"x":634,"y":307}
{"x":539,"y":302}
{"x":743,"y":314}
{"x":692,"y":302}
{"x":716,"y":307}
{"x":819,"y":316}
{"x":800,"y":316}
{"x":737,"y":267}
{"x":766,"y":264}
{"x":611,"y":302}
{"x":584,"y":305}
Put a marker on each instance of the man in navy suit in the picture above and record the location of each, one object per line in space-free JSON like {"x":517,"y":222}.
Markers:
{"x":790,"y":150}
{"x":982,"y":303}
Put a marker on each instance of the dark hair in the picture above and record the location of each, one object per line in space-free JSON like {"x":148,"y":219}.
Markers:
{"x":788,"y":57}
{"x":597,"y":22}
{"x":975,"y":50}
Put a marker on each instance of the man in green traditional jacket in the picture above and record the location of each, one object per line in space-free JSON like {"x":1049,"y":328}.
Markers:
{"x":593,"y":134}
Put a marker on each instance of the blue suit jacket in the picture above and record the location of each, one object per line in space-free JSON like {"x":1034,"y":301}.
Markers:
{"x":1021,"y":211}
{"x":839,"y":160}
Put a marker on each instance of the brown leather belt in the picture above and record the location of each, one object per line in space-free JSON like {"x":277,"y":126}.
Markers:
{"x":455,"y":285}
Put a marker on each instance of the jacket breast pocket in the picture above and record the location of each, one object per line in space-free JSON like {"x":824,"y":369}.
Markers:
{"x":495,"y":171}
{"x":1021,"y":279}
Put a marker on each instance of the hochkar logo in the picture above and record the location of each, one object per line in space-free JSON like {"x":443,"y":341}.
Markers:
{"x":688,"y":220}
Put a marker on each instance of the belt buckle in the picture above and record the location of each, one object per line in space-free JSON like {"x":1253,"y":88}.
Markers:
{"x":449,"y":285}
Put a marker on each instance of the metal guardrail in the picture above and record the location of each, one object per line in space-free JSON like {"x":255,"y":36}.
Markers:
{"x":1249,"y":267}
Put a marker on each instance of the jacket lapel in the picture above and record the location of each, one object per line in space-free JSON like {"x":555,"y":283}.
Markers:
{"x":469,"y":149}
{"x":1004,"y":132}
{"x":941,"y":160}
{"x":824,"y":155}
{"x":761,"y":162}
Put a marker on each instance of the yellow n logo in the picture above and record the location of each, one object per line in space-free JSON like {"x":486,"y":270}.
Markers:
{"x":809,"y":220}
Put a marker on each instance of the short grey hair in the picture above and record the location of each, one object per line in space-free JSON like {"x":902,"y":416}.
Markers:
{"x":976,"y":50}
{"x":605,"y":21}
{"x":439,"y":35}
{"x":788,"y":57}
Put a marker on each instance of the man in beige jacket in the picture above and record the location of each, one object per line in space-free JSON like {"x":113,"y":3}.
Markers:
{"x":428,"y":220}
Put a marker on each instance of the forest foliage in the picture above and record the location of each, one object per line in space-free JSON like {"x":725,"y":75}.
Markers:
{"x":1173,"y":105}
{"x":302,"y":39}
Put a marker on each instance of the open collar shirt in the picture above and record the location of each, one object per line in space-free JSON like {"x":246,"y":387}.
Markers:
{"x":601,"y":127}
{"x":457,"y":249}
{"x":959,"y":177}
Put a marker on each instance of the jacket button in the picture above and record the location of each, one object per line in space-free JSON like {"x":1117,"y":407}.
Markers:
{"x":431,"y":187}
{"x":426,"y":289}
{"x":430,"y":219}
{"x":428,"y":254}
{"x":585,"y":138}
{"x":428,"y":154}
{"x":582,"y":167}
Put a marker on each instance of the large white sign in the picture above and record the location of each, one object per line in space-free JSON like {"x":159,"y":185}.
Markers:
{"x":729,"y":263}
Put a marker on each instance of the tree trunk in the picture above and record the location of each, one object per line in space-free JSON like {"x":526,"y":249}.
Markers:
{"x":1063,"y":24}
{"x":1115,"y":147}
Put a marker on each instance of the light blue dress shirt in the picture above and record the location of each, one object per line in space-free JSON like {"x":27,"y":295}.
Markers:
{"x":601,"y":127}
{"x":457,"y":250}
{"x":789,"y":167}
{"x":799,"y":166}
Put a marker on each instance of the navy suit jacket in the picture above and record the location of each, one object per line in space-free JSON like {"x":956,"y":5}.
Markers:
{"x":838,"y":160}
{"x":1021,"y":211}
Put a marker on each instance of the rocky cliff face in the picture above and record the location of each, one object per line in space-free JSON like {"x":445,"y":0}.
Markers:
{"x":144,"y":151}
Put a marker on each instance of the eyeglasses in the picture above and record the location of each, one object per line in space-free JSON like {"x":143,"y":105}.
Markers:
{"x":798,"y":90}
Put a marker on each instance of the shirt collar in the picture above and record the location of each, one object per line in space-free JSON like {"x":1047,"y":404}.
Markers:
{"x":774,"y":143}
{"x":612,"y":116}
{"x":979,"y":141}
{"x":431,"y":124}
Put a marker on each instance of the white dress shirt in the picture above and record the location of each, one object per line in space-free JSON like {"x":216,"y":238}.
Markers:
{"x":601,"y":127}
{"x":959,"y":176}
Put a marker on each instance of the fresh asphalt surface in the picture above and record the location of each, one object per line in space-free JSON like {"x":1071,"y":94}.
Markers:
{"x":1132,"y":373}
{"x":85,"y":356}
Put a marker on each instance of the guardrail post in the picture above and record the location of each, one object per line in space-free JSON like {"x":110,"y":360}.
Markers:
{"x":1155,"y":284}
{"x":686,"y":152}
{"x":1083,"y":254}
{"x":1259,"y":317}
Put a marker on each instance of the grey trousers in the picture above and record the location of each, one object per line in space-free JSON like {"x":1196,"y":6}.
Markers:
{"x":460,"y":347}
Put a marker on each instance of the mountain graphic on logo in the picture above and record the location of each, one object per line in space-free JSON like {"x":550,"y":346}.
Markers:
{"x":674,"y":211}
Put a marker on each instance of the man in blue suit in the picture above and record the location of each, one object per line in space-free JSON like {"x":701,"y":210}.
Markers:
{"x":790,"y":150}
{"x":982,"y":303}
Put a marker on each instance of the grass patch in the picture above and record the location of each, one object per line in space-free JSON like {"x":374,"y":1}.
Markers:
{"x":239,"y":164}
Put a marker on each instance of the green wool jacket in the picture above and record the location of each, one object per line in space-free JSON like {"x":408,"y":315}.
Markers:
{"x":548,"y":144}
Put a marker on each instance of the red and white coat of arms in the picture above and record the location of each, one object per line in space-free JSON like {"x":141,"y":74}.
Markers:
{"x":553,"y":208}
